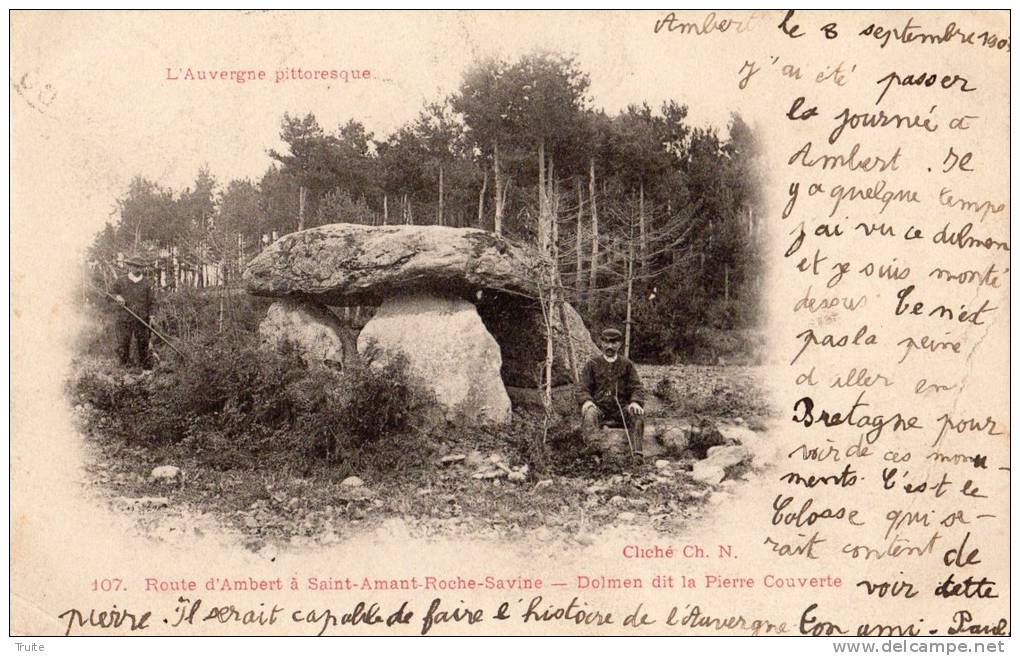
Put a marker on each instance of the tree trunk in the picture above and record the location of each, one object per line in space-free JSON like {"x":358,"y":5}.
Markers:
{"x":481,"y":200}
{"x":497,"y":221}
{"x":547,"y":396}
{"x":594,"y":236}
{"x":543,"y":216}
{"x":302,"y":192}
{"x":726,"y":281}
{"x":571,"y":354}
{"x":630,"y":293}
{"x":553,"y":206}
{"x":441,"y":195}
{"x":641,"y":225}
{"x":579,"y":279}
{"x":385,"y":209}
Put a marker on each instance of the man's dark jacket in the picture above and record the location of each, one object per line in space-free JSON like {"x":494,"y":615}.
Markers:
{"x":601,"y":381}
{"x":137,"y":296}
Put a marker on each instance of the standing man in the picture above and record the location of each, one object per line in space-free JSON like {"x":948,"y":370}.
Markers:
{"x":133,"y":292}
{"x":610,"y":394}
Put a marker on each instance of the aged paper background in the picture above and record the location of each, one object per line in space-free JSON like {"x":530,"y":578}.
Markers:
{"x":91,"y":107}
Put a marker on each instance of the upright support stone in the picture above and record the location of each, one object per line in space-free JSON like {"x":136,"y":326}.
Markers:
{"x":448,"y":348}
{"x":315,"y":331}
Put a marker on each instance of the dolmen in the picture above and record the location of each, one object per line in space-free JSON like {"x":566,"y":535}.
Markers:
{"x":463,"y":306}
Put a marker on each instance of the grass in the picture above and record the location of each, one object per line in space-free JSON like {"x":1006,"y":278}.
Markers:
{"x":276,"y":481}
{"x":283,"y":497}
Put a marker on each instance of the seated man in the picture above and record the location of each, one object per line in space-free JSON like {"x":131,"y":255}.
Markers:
{"x":611,"y":394}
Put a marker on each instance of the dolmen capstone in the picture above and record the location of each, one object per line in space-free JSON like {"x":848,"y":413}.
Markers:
{"x":461,"y":305}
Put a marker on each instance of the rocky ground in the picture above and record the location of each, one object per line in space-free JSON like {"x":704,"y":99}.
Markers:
{"x":707,"y":435}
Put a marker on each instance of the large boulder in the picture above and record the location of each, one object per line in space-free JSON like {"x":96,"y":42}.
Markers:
{"x":448,"y":348}
{"x":519,"y":327}
{"x":353,"y":264}
{"x":315,"y":331}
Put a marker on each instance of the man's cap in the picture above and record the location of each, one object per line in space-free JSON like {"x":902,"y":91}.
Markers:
{"x":611,"y":335}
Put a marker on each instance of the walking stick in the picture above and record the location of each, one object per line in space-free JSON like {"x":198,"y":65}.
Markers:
{"x":616,"y":397}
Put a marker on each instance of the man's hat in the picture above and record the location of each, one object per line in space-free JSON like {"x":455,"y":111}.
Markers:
{"x":611,"y":335}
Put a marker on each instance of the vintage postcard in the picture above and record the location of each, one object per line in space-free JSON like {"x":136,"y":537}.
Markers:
{"x":683,"y":323}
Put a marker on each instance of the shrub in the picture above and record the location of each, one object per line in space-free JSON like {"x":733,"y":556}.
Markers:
{"x":241,"y":382}
{"x":130,"y":410}
{"x":344,"y":411}
{"x":234,"y":396}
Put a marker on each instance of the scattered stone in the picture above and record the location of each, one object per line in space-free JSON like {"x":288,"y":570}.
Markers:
{"x":708,"y":473}
{"x":487,"y":473}
{"x":675,"y":438}
{"x":543,"y":534}
{"x":543,"y":484}
{"x":517,"y":476}
{"x":626,"y":516}
{"x":661,"y":464}
{"x":703,"y":438}
{"x":474,"y":459}
{"x":166,"y":473}
{"x":728,"y":456}
{"x":452,"y":459}
{"x":352,"y":481}
{"x":736,"y":433}
{"x":360,"y":493}
{"x":143,"y":502}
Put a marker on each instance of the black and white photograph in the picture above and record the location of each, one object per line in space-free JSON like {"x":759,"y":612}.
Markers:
{"x":518,"y":315}
{"x":663,"y":322}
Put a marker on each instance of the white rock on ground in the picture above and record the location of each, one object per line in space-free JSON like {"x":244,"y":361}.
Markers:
{"x":448,"y":348}
{"x":352,"y":481}
{"x":166,"y":473}
{"x":143,"y":502}
{"x":728,"y":456}
{"x":706,"y":472}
